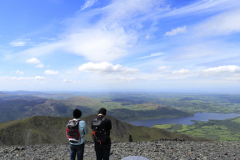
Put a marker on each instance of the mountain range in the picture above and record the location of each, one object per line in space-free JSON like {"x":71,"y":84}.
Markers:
{"x":47,"y":129}
{"x":15,"y":107}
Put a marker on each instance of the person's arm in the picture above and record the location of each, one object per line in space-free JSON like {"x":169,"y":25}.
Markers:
{"x":92,"y":125}
{"x":85,"y":128}
{"x":108,"y":125}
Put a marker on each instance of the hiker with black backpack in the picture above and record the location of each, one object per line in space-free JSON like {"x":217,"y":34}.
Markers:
{"x":76,"y":130}
{"x":101,"y":127}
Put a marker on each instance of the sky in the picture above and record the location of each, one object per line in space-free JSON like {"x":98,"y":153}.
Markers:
{"x":120,"y":45}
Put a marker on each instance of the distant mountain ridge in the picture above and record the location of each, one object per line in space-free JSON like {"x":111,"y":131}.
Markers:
{"x":7,"y":96}
{"x":40,"y":94}
{"x":46,"y":129}
{"x":22,"y":92}
{"x":13,"y":107}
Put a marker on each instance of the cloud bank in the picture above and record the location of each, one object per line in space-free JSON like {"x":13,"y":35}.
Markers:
{"x":51,"y":72}
{"x":176,"y":31}
{"x":105,"y":67}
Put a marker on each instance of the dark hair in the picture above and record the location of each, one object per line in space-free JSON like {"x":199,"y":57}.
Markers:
{"x":77,"y":113}
{"x":102,"y":111}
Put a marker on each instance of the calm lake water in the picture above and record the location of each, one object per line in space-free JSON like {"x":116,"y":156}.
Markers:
{"x":184,"y":120}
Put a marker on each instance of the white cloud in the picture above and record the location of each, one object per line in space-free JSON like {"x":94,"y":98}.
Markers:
{"x":222,"y":70}
{"x":27,"y":78}
{"x":39,"y":65}
{"x":200,"y":52}
{"x":152,"y":55}
{"x":51,"y":72}
{"x":88,"y":3}
{"x":33,"y":61}
{"x":147,"y":36}
{"x":67,"y":81}
{"x":110,"y":37}
{"x":161,"y":68}
{"x":99,"y":44}
{"x":19,"y":78}
{"x":95,"y":44}
{"x":18,"y":43}
{"x":235,"y":78}
{"x":109,"y":33}
{"x":202,"y":7}
{"x":39,"y":78}
{"x":222,"y":24}
{"x":105,"y":67}
{"x":19,"y":72}
{"x":70,"y":73}
{"x":181,"y":72}
{"x":176,"y":31}
{"x":129,"y":10}
{"x":43,"y":49}
{"x":106,"y":39}
{"x":70,"y":81}
{"x":0,"y":71}
{"x":124,"y":79}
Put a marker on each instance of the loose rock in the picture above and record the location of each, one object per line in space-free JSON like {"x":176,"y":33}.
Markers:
{"x":152,"y":150}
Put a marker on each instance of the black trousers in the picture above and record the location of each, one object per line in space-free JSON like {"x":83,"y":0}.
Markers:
{"x":102,"y":151}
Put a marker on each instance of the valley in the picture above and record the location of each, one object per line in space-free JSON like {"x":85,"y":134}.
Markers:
{"x":219,"y":130}
{"x":17,"y":107}
{"x":121,"y":106}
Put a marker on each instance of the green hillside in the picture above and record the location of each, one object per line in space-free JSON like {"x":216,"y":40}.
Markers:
{"x":15,"y":107}
{"x":45,"y":129}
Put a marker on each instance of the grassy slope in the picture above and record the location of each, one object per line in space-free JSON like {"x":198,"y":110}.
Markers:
{"x":204,"y":103}
{"x":40,"y":129}
{"x":220,"y":130}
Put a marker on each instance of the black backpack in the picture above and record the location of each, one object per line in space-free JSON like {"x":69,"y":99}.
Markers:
{"x":98,"y":130}
{"x":72,"y":131}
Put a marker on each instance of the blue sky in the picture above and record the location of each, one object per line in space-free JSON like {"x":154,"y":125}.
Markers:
{"x":120,"y":45}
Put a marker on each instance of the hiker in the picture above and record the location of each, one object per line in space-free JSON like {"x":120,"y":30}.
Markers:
{"x":130,"y":138}
{"x":101,"y":127}
{"x":76,"y":129}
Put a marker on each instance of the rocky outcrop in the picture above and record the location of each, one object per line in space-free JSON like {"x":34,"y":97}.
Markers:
{"x":152,"y":150}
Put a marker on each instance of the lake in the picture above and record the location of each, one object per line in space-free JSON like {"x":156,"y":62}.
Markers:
{"x":184,"y":120}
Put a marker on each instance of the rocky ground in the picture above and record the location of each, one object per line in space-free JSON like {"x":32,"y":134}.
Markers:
{"x":152,"y":150}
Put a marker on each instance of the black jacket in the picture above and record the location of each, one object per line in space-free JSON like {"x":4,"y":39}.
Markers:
{"x":108,"y":126}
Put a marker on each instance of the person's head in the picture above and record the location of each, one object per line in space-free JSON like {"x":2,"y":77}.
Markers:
{"x":77,"y":113}
{"x":102,"y":111}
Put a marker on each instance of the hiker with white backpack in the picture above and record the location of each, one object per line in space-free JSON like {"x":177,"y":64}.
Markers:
{"x":76,"y":130}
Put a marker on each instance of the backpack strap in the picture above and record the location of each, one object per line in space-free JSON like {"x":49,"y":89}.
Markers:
{"x":79,"y":130}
